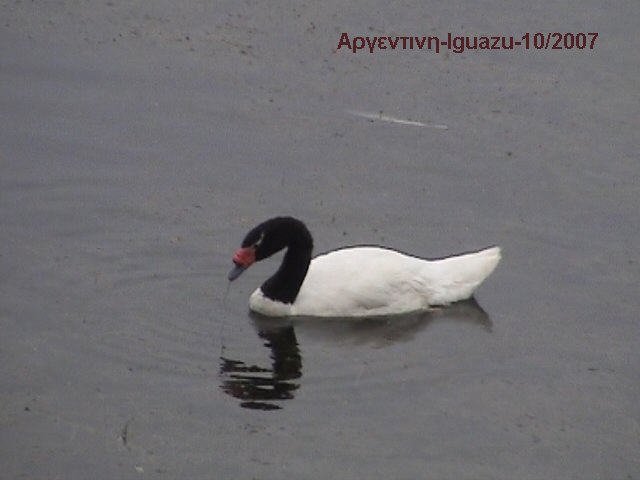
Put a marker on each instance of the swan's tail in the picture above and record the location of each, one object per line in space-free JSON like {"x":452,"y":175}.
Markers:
{"x":456,"y":278}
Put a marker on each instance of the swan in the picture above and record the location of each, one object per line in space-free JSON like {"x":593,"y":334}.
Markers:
{"x":359,"y":281}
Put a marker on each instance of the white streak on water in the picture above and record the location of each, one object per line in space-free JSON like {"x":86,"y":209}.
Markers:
{"x":386,"y":118}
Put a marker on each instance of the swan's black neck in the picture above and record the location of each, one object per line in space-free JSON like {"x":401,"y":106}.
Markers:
{"x":285,"y":284}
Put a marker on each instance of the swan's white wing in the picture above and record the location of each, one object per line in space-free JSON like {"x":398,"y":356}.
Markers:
{"x":366,"y":281}
{"x":456,"y":278}
{"x":362,"y":281}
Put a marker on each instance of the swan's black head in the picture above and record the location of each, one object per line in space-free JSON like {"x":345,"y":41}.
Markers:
{"x":268,"y":238}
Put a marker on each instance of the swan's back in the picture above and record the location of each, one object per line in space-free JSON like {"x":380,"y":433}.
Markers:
{"x":366,"y":281}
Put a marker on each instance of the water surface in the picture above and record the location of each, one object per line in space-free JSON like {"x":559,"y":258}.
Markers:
{"x":138,"y":144}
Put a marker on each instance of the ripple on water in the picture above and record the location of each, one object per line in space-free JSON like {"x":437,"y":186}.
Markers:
{"x":160,"y":323}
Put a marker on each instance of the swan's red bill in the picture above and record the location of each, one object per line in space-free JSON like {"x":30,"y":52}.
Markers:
{"x":243,"y":259}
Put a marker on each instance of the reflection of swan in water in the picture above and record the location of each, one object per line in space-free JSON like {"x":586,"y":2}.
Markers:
{"x":259,"y":387}
{"x":384,"y":331}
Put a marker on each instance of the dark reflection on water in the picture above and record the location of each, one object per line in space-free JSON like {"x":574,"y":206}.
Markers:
{"x":256,"y":386}
{"x":260,"y":388}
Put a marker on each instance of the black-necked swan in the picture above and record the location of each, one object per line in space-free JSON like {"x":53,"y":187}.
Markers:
{"x":353,"y":281}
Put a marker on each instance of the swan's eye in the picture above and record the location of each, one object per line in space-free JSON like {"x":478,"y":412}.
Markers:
{"x":259,"y":241}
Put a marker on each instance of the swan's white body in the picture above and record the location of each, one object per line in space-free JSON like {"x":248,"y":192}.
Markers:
{"x":369,"y":281}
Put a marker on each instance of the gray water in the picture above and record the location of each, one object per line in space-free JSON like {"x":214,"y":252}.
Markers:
{"x":139,"y":143}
